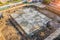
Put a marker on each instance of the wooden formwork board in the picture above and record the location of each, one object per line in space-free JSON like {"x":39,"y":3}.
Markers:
{"x":14,"y":8}
{"x":54,"y":9}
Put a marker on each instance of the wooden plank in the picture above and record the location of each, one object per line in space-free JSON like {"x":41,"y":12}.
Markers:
{"x":54,"y":9}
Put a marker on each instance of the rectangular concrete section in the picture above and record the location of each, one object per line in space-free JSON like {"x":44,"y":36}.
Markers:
{"x":30,"y":20}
